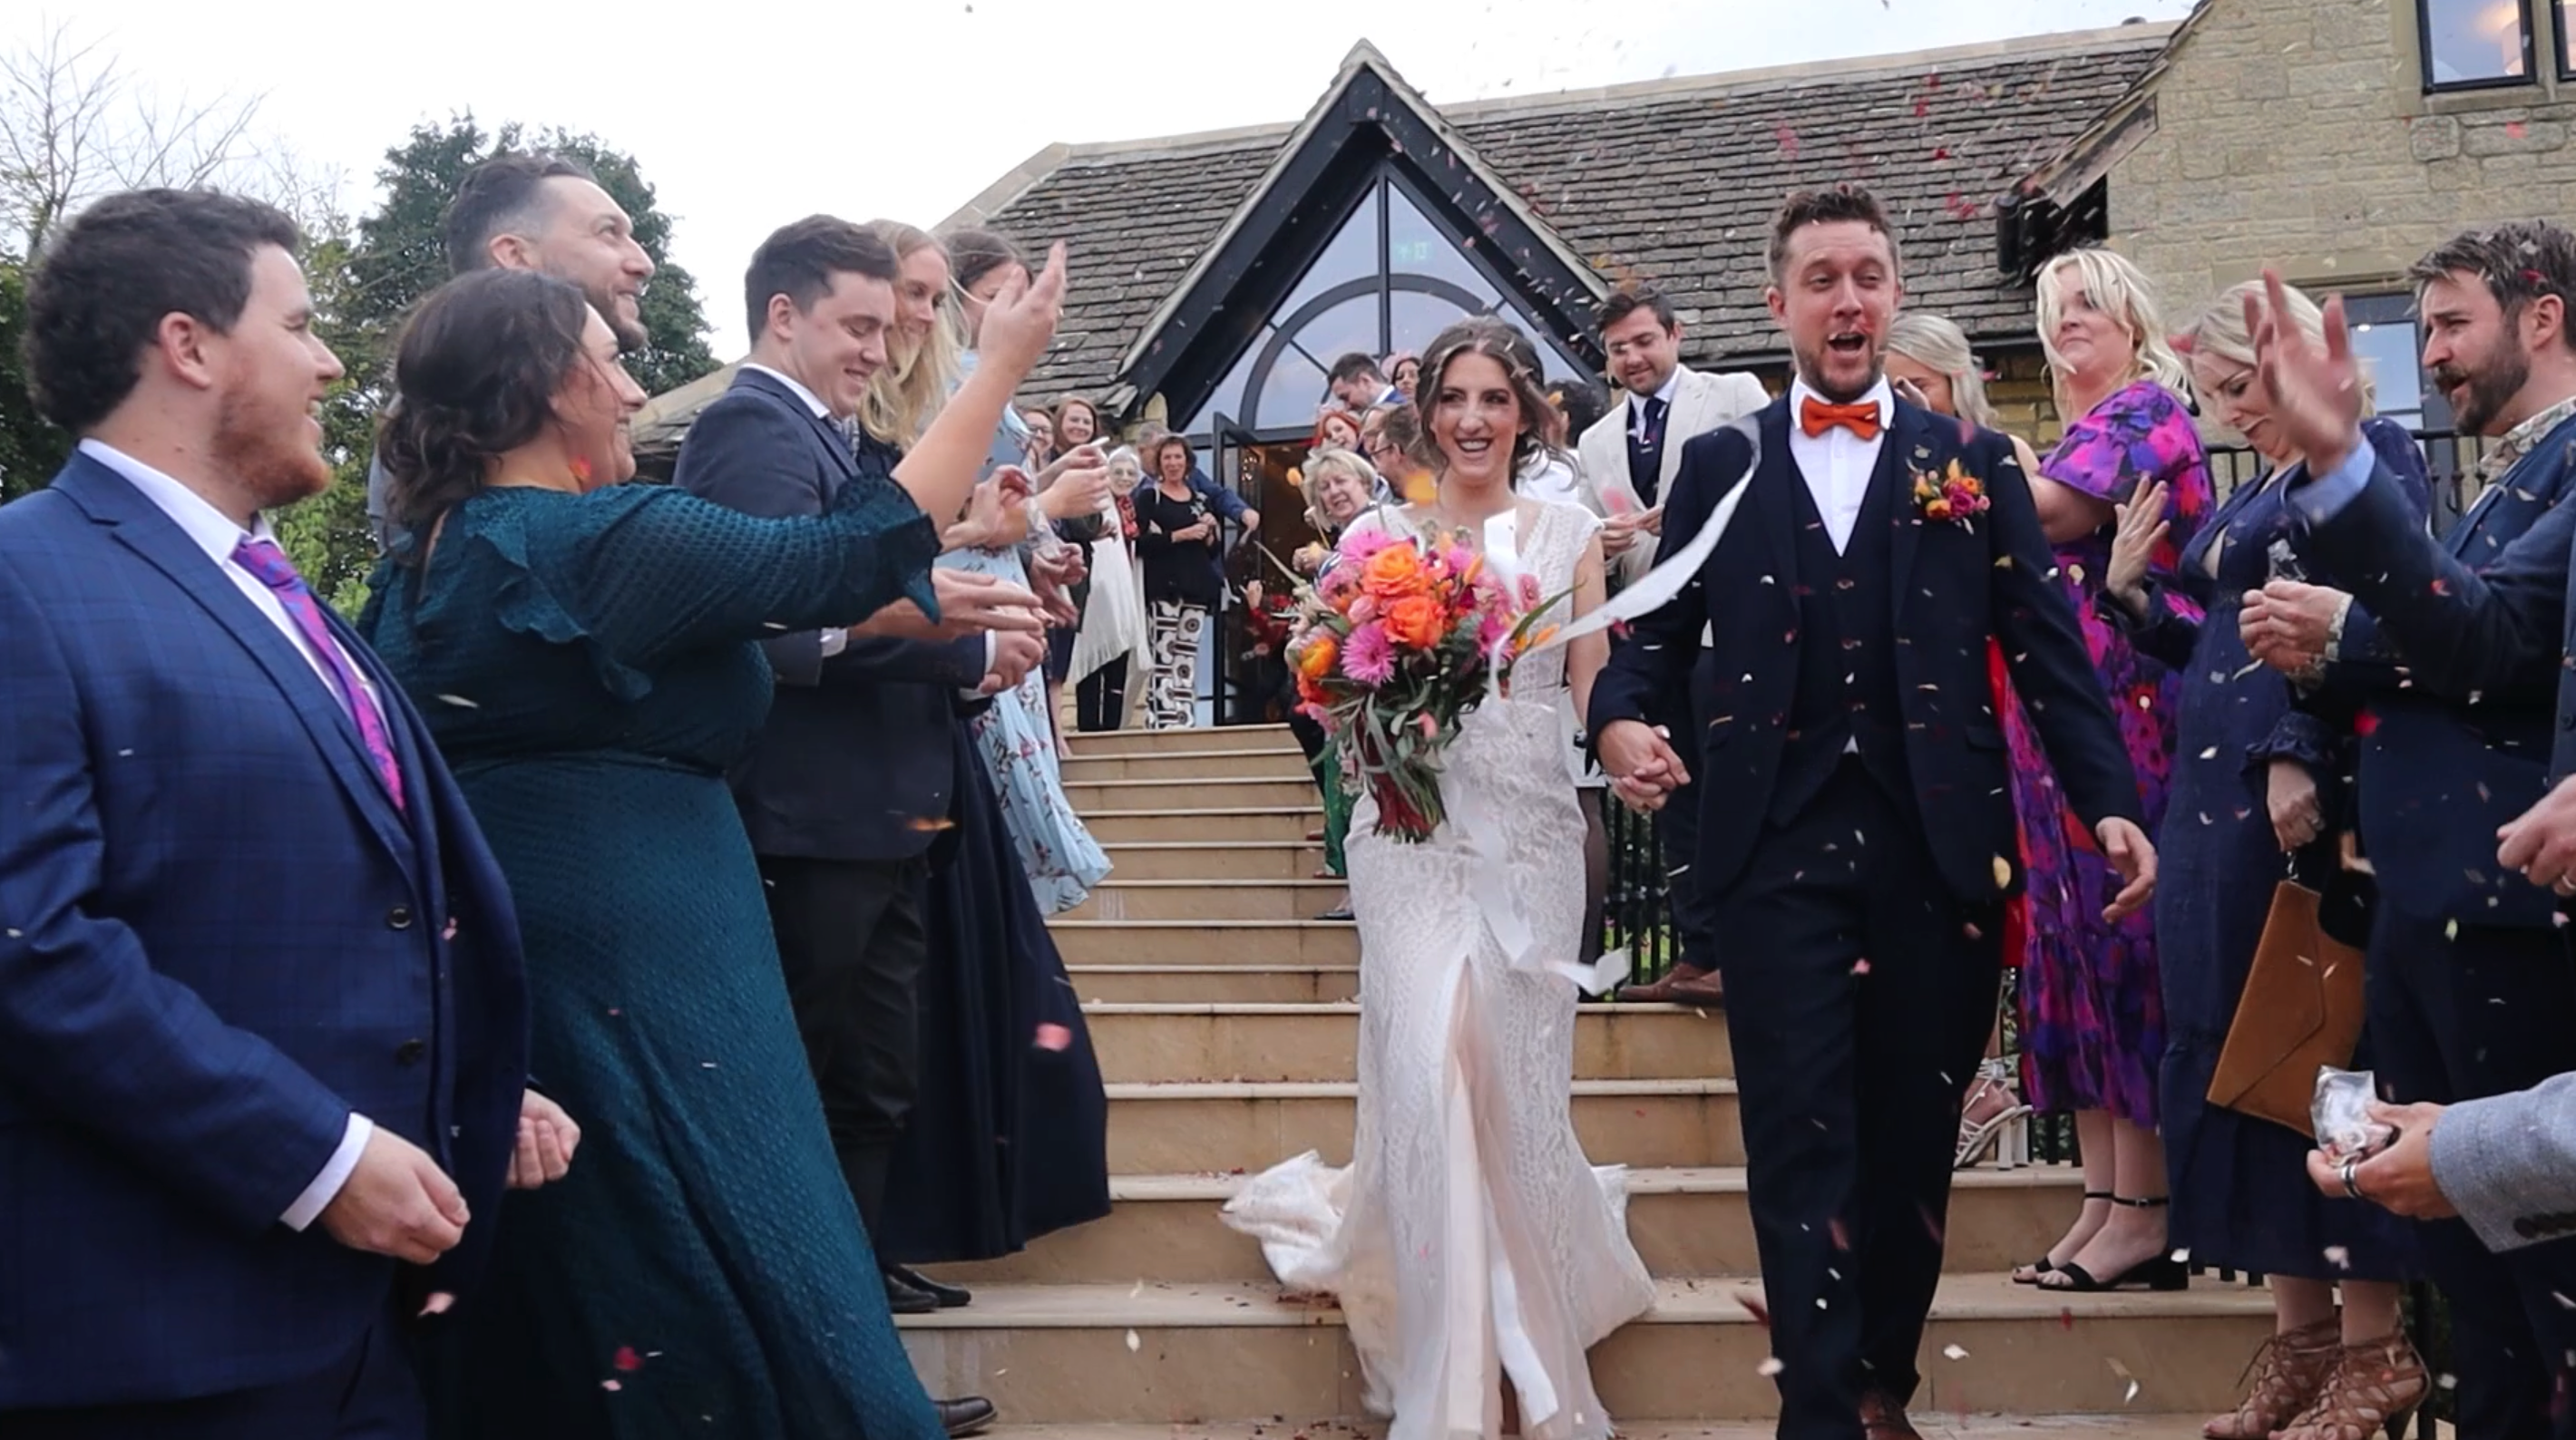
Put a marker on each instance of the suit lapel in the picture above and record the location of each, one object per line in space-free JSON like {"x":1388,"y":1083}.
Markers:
{"x":1688,"y":418}
{"x":1772,"y":489}
{"x":142,"y":528}
{"x":830,"y":436}
{"x":1902,"y":453}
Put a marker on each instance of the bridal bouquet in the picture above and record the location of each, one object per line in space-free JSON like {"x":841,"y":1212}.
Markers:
{"x":1398,"y":641}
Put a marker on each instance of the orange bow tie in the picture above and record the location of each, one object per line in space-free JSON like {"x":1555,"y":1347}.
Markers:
{"x":1816,"y":417}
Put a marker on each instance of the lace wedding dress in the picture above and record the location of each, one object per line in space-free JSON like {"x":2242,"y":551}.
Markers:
{"x":1469,"y":1239}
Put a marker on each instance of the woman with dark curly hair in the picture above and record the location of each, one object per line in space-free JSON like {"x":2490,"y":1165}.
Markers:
{"x":585,"y":654}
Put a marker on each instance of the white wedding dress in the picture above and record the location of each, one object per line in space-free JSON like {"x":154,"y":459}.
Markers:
{"x":1469,"y":1239}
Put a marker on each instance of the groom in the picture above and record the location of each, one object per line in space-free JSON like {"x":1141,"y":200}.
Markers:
{"x":1856,"y":826}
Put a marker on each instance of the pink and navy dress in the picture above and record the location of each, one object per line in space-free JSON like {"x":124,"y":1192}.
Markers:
{"x":2092,"y":1017}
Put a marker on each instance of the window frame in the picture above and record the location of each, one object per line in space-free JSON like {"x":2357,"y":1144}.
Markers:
{"x":2393,"y":307}
{"x":2531,"y":70}
{"x":2565,"y":69}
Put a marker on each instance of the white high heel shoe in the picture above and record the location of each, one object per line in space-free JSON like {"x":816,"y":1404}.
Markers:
{"x":2006,"y":1131}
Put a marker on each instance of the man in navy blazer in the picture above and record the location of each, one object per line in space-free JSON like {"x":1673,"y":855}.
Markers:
{"x":262,"y":1020}
{"x":2471,"y":988}
{"x":1856,"y":835}
{"x":852,"y":777}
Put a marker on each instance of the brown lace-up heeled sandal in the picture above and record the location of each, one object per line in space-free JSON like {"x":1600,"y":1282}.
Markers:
{"x":2374,"y":1388}
{"x":2289,"y":1373}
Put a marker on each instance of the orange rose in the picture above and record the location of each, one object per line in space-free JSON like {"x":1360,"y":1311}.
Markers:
{"x":1311,"y":690}
{"x":1316,"y":660}
{"x":1393,"y":573}
{"x":1416,"y":622}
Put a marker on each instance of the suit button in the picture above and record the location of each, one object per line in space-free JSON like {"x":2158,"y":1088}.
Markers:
{"x":410,"y":1052}
{"x":399,"y":917}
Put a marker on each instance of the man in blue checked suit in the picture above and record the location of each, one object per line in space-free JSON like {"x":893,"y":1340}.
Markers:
{"x":262,"y":1020}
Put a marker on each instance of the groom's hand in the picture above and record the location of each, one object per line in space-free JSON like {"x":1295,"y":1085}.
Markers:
{"x":1642,"y":763}
{"x":2134,"y":857}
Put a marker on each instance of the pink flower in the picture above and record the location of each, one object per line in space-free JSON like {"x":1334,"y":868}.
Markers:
{"x":1319,"y":715}
{"x":1430,"y":728}
{"x":1363,"y":610}
{"x":1365,"y":543}
{"x":1459,"y":558}
{"x":1529,"y":592}
{"x":1495,"y":628}
{"x":1367,"y":656}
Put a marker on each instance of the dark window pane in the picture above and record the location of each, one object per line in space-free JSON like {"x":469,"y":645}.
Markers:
{"x":1420,"y":317}
{"x":1227,"y":398}
{"x":1415,"y":246}
{"x":1352,"y":255}
{"x":2468,"y":41}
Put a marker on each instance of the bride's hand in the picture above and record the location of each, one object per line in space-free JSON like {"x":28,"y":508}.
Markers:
{"x":1643,"y":766}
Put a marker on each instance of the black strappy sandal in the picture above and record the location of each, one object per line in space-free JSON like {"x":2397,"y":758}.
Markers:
{"x":2160,"y":1272}
{"x":2029,"y":1274}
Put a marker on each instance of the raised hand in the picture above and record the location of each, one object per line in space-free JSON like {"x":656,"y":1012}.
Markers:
{"x":397,"y":1202}
{"x":2315,"y":390}
{"x":2142,"y":528}
{"x":2133,"y":856}
{"x":1021,"y":321}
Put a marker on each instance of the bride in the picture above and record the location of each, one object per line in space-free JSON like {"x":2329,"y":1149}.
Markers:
{"x":1469,"y":1242}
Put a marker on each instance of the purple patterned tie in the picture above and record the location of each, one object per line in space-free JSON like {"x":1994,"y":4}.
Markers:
{"x":271,"y":568}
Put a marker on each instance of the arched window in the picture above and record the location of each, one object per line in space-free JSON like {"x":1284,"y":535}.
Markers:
{"x":1390,"y":279}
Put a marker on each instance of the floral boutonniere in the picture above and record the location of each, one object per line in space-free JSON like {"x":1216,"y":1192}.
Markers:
{"x":1950,"y":494}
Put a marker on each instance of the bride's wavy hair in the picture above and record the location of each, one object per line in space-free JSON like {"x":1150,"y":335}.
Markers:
{"x":1507,"y":347}
{"x":476,"y":370}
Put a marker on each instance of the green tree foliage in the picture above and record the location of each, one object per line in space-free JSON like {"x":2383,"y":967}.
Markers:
{"x":31,"y":449}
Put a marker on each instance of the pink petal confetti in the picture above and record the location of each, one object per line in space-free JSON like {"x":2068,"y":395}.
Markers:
{"x":1054,"y":1037}
{"x":2514,"y":129}
{"x":627,"y":1360}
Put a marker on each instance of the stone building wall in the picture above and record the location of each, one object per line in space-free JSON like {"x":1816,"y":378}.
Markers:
{"x":2298,"y":133}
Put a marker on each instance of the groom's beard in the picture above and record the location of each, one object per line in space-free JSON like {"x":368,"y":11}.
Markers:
{"x":1811,"y":369}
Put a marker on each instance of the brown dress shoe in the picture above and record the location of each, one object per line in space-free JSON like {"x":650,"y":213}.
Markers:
{"x":1883,"y":1419}
{"x":1680,"y":985}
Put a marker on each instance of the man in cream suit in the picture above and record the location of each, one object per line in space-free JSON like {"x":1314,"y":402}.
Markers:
{"x":1630,"y":455}
{"x":1629,"y":458}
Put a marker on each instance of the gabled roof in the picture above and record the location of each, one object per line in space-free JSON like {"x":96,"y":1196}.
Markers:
{"x":1672,"y":182}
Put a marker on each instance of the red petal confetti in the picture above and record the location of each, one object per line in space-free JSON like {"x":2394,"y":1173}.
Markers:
{"x":2513,"y":129}
{"x":1941,"y":153}
{"x":1753,"y":1306}
{"x":2066,"y":1319}
{"x":1840,"y":1232}
{"x":1788,"y":141}
{"x":1054,"y":1037}
{"x":2441,"y":586}
{"x":627,"y":1360}
{"x":1922,"y":108}
{"x":2364,"y":723}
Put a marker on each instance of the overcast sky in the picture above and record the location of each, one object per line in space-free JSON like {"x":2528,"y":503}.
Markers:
{"x":748,"y":115}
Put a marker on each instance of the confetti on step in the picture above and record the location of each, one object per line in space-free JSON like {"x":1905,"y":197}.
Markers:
{"x":1769,"y":1367}
{"x":1135,"y":1342}
{"x":1953,"y":1352}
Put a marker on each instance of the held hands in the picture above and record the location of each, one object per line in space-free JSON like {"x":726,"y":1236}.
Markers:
{"x":2315,"y":390}
{"x":2297,"y":820}
{"x":547,"y":1138}
{"x":2541,"y":842}
{"x":2133,"y":856}
{"x":1644,"y":768}
{"x":1021,"y":320}
{"x":2398,"y":1176}
{"x":397,"y":1202}
{"x":2142,"y":528}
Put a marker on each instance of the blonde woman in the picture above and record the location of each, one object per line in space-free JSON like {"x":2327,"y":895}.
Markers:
{"x":1929,"y":355}
{"x":2250,"y":768}
{"x":2092,"y":1015}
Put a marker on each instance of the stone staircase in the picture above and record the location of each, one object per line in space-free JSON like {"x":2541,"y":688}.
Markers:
{"x":1227,"y":1027}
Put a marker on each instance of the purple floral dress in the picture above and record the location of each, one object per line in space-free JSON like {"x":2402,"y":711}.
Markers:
{"x":2092,"y":1012}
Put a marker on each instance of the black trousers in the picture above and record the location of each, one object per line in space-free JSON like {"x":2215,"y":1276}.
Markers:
{"x":1858,"y":993}
{"x":1677,"y":833}
{"x":1100,"y":698}
{"x":852,"y":940}
{"x":2460,"y":1016}
{"x":368,"y":1394}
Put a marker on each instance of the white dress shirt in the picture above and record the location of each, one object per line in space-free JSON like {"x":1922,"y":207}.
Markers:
{"x":1837,"y":464}
{"x":215,"y":533}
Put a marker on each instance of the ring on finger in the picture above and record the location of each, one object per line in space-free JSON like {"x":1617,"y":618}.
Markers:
{"x":2351,"y":1185}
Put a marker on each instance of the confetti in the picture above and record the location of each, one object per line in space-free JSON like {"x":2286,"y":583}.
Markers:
{"x":1953,"y":1352}
{"x":2003,"y":871}
{"x":627,"y":1360}
{"x":1769,"y":1367}
{"x":610,"y":1385}
{"x":930,"y":823}
{"x":459,"y":701}
{"x":1135,"y":1342}
{"x":1054,"y":1037}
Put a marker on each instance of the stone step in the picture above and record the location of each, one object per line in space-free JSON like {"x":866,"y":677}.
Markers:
{"x":1122,"y":898}
{"x":1207,"y":942}
{"x":1220,"y":984}
{"x":1147,"y":1354}
{"x":1239,"y":1041}
{"x":1162,"y":742}
{"x":1275,"y":824}
{"x":1685,"y":1222}
{"x":2125,"y":1426}
{"x":1251,"y":1125}
{"x":1297,"y":859}
{"x":1287,"y":764}
{"x":1233,"y":792}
